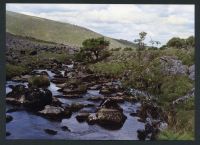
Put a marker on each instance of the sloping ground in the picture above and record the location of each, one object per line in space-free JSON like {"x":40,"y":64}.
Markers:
{"x":49,"y":30}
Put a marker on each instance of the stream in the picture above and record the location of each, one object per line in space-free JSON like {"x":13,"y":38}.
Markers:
{"x":26,"y":125}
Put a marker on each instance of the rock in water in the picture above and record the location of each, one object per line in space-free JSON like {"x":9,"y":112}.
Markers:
{"x":141,"y":134}
{"x":8,"y":133}
{"x":8,"y":118}
{"x":55,"y":113}
{"x":110,"y":118}
{"x":51,"y":132}
{"x":37,"y":98}
{"x":82,"y":116}
{"x":65,"y":128}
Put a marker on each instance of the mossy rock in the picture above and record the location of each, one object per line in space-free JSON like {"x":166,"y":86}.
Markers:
{"x":39,"y":81}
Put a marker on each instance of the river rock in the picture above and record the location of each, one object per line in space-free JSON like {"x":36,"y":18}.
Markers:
{"x":110,"y":104}
{"x":74,"y":107}
{"x":82,"y":116}
{"x":65,"y":128}
{"x":149,"y":110}
{"x":96,"y":98}
{"x":8,"y":118}
{"x":50,"y":131}
{"x":54,"y":113}
{"x":110,"y":115}
{"x":59,"y":80}
{"x":141,"y":134}
{"x":95,"y":87}
{"x":37,"y":98}
{"x":56,"y":102}
{"x":17,"y":95}
{"x":8,"y":133}
{"x":111,"y":118}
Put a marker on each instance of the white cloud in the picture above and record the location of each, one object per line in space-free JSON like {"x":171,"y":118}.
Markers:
{"x":161,"y":22}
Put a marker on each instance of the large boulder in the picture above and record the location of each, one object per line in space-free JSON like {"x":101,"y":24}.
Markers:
{"x":37,"y":98}
{"x":109,"y":116}
{"x":171,"y":65}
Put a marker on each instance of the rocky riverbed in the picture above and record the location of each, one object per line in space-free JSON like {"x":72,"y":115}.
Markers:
{"x":78,"y":104}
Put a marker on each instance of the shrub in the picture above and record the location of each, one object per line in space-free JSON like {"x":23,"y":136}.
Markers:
{"x":39,"y":81}
{"x":128,"y":49}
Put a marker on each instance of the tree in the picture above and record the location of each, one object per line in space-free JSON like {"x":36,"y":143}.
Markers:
{"x":190,"y":41}
{"x":141,"y":44}
{"x":176,"y":42}
{"x":94,"y":49}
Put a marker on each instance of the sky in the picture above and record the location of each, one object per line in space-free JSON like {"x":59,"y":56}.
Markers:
{"x":161,"y":22}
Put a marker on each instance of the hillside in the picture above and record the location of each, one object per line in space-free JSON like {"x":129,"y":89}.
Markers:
{"x":53,"y":31}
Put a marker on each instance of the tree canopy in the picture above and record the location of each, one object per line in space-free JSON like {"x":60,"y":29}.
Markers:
{"x":94,"y":49}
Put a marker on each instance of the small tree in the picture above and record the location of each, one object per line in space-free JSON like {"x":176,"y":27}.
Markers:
{"x":94,"y":49}
{"x":176,"y":42}
{"x":141,"y":44}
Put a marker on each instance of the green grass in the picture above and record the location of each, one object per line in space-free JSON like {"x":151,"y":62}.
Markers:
{"x":112,"y":69}
{"x":14,"y":70}
{"x":174,"y":87}
{"x":51,"y":31}
{"x":183,"y":128}
{"x":171,"y":135}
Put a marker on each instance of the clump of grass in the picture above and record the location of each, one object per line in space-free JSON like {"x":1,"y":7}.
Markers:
{"x":174,"y":87}
{"x":111,"y":69}
{"x":171,"y":135}
{"x":128,"y":49}
{"x":39,"y":81}
{"x":14,"y":70}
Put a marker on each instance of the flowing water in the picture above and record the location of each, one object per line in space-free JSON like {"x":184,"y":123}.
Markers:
{"x":26,"y":125}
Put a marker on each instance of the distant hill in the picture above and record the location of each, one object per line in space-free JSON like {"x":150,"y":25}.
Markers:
{"x":127,"y":43}
{"x":53,"y":31}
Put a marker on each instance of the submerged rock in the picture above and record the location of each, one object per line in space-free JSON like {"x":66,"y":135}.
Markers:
{"x":50,"y":131}
{"x":8,"y":133}
{"x":65,"y":128}
{"x":8,"y":118}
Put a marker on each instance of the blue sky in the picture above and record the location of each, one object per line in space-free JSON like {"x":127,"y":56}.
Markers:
{"x":161,"y":22}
